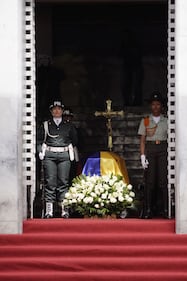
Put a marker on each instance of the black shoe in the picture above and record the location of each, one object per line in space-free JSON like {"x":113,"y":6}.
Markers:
{"x":147,"y":215}
{"x":165,"y":214}
{"x":48,"y":216}
{"x":65,"y":215}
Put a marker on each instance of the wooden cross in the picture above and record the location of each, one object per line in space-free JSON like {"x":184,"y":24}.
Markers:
{"x":109,"y":114}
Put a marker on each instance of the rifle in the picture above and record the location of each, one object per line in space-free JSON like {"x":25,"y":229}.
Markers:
{"x":42,"y":188}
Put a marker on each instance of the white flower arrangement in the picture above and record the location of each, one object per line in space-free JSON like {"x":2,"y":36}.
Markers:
{"x":99,"y":195}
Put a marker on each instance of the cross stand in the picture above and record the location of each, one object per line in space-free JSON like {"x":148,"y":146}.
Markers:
{"x":109,"y":114}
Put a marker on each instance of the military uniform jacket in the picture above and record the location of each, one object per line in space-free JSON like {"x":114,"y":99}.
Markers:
{"x":153,"y":131}
{"x":59,"y":136}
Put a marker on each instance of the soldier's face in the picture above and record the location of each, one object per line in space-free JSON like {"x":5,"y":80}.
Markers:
{"x":57,"y":112}
{"x":156,"y":108}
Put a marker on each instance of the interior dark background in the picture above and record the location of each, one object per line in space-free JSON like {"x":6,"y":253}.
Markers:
{"x":87,"y":53}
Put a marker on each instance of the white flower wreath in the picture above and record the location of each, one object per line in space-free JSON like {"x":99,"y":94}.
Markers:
{"x":99,"y":195}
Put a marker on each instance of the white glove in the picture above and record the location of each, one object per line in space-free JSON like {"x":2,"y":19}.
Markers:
{"x":42,"y":153}
{"x":144,"y":162}
{"x":41,"y":156}
{"x":71,"y":152}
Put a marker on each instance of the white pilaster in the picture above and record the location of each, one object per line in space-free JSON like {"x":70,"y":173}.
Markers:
{"x":181,"y":116}
{"x":11,"y":94}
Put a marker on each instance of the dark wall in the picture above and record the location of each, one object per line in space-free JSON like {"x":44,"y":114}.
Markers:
{"x":99,"y":51}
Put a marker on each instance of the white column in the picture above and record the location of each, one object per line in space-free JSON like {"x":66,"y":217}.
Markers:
{"x":181,"y":116}
{"x":11,"y":93}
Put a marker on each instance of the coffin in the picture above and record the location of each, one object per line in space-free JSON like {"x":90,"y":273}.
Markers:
{"x":105,"y":162}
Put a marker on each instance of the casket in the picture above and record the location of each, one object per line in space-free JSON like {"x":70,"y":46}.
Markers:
{"x":105,"y":162}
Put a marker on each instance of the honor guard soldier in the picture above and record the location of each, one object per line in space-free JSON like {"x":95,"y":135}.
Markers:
{"x":59,"y":138}
{"x":153,"y":149}
{"x":68,"y":117}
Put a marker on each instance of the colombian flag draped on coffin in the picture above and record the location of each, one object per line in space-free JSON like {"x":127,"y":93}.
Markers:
{"x":103,"y":163}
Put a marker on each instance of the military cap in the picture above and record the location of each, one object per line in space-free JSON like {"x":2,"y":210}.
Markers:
{"x":67,"y":112}
{"x":156,"y":96}
{"x":56,"y":103}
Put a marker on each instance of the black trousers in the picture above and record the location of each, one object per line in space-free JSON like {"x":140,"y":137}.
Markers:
{"x":56,"y":169}
{"x":156,"y":177}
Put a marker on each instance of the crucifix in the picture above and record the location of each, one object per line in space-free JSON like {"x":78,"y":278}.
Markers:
{"x":109,"y":114}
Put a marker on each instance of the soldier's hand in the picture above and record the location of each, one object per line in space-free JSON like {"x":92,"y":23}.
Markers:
{"x":41,"y":156}
{"x":144,"y":161}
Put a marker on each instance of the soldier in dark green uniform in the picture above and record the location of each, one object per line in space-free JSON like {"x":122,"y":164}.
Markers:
{"x":153,"y":149}
{"x":59,"y":138}
{"x":68,"y":117}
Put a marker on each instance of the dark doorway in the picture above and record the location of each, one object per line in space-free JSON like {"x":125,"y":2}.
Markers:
{"x":89,"y":52}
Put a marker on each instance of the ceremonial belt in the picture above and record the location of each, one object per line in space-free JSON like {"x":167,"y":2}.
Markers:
{"x":156,"y":142}
{"x":57,"y":148}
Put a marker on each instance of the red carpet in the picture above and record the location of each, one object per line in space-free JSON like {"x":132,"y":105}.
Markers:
{"x":94,"y":250}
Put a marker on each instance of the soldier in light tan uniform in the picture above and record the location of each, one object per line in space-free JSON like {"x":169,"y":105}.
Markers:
{"x":153,"y":149}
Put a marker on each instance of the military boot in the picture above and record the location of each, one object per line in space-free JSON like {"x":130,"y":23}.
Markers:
{"x":65,"y":212}
{"x":49,"y":210}
{"x":148,"y":204}
{"x":165,"y":204}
